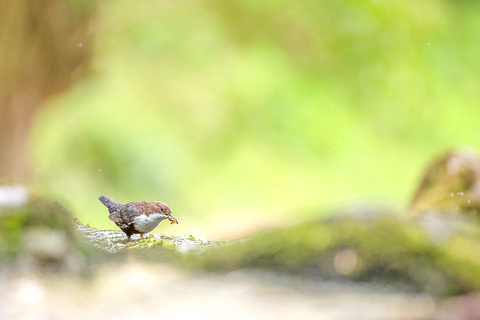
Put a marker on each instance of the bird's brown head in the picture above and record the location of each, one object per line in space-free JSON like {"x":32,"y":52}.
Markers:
{"x":163,"y":208}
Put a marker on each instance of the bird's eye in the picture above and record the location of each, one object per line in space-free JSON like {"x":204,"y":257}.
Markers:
{"x":162,"y":209}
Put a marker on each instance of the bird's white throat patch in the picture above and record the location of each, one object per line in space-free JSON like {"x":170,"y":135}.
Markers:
{"x":146,"y":224}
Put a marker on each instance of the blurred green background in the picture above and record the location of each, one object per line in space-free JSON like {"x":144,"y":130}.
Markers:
{"x":247,"y":114}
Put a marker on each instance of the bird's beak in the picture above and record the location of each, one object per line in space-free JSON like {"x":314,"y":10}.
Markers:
{"x":172,"y":219}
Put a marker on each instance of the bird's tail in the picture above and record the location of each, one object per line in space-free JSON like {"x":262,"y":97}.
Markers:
{"x":108,"y":202}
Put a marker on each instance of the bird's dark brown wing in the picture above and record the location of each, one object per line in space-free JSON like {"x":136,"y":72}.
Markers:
{"x":116,"y":217}
{"x":123,"y":216}
{"x":128,"y":212}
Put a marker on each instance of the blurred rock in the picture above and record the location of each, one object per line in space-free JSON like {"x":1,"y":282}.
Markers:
{"x":45,"y":243}
{"x":411,"y":255}
{"x":41,"y":233}
{"x":451,"y":183}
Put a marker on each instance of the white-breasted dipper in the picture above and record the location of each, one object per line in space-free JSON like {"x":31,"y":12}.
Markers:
{"x":137,"y":217}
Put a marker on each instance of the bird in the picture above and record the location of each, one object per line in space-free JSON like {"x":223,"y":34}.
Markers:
{"x":137,"y":217}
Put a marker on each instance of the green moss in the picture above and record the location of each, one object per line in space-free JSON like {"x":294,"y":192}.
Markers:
{"x":169,"y":245}
{"x":149,"y":242}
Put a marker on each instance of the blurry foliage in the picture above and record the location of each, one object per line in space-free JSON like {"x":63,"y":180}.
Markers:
{"x":236,"y":113}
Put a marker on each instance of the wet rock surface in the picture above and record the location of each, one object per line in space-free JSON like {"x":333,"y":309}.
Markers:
{"x":113,"y":241}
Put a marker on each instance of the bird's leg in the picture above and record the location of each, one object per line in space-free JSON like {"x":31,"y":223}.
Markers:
{"x":141,"y":235}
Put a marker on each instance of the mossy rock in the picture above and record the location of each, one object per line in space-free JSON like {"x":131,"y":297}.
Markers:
{"x":450,"y":184}
{"x":150,"y":242}
{"x":433,"y":255}
{"x":41,"y":232}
